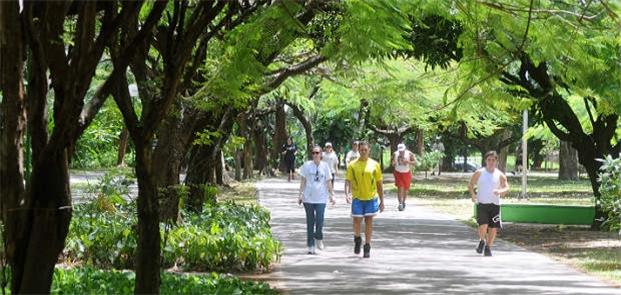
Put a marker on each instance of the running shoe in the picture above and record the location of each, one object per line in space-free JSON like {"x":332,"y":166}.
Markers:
{"x":480,"y":247}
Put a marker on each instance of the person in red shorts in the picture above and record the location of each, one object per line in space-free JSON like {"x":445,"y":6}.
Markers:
{"x":402,"y":161}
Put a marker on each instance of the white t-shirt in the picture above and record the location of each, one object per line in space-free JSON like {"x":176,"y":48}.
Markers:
{"x":351,"y":155}
{"x":400,"y":166}
{"x":486,"y":185}
{"x":331,"y":159}
{"x":317,"y":178}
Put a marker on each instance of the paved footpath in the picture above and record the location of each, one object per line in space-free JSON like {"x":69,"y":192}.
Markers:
{"x":416,"y":251}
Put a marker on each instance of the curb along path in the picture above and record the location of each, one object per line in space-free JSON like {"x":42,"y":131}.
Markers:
{"x":416,"y":251}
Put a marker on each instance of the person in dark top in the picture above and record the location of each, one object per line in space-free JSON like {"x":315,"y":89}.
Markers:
{"x":289,"y":150}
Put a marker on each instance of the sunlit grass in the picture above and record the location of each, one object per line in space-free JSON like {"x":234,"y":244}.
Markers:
{"x":602,"y":261}
{"x":239,"y":192}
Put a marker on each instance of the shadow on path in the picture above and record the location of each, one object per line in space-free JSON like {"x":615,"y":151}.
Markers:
{"x":416,"y":251}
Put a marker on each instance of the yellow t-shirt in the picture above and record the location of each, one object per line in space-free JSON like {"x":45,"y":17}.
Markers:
{"x":364,"y":176}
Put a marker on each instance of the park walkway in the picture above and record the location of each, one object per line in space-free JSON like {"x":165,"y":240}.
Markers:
{"x":416,"y":251}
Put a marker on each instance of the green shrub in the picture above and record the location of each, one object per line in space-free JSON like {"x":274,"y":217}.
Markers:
{"x":102,"y":238}
{"x":93,"y":281}
{"x":222,"y":237}
{"x":610,"y":190}
{"x":111,"y":191}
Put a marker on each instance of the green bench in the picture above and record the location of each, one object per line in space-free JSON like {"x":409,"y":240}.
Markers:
{"x":546,"y":214}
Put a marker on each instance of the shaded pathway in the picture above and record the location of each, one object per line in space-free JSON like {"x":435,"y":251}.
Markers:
{"x":416,"y":251}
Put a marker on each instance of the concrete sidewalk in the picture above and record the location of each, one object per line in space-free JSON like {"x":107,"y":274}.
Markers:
{"x":416,"y":251}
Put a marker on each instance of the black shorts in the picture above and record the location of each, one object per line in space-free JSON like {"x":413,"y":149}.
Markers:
{"x":489,"y":214}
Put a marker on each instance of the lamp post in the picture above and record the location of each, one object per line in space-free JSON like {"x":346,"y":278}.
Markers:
{"x":524,"y":193}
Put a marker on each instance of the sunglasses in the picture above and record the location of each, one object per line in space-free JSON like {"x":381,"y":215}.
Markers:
{"x":316,"y":153}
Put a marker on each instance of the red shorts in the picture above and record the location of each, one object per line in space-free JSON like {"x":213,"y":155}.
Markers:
{"x":403,"y":179}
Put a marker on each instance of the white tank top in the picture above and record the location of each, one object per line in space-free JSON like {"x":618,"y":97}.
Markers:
{"x":486,"y":185}
{"x":400,"y":166}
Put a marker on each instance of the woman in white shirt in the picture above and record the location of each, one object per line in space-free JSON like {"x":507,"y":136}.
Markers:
{"x":315,"y":187}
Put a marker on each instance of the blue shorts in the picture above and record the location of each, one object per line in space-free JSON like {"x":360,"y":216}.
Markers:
{"x":361,"y":208}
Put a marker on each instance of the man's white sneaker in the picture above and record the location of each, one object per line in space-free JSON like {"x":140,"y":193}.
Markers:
{"x":319,"y":244}
{"x":311,"y":250}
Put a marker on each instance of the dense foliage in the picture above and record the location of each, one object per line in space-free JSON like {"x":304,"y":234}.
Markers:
{"x":93,"y":281}
{"x":610,"y":178}
{"x":222,"y":237}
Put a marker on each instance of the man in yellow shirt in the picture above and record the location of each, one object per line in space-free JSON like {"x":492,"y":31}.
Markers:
{"x":363,"y":181}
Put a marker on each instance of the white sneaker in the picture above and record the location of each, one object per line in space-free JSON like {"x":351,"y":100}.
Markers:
{"x":311,"y":250}
{"x":319,"y":244}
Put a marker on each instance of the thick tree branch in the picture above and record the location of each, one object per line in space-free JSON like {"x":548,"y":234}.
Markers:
{"x":285,"y":73}
{"x":588,"y":108}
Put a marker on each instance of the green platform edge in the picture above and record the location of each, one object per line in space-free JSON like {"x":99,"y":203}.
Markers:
{"x":546,"y":214}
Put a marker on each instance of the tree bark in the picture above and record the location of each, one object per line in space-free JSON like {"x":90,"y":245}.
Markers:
{"x":420,"y":142}
{"x":239,"y":156}
{"x":568,"y":162}
{"x":44,"y":220}
{"x":502,"y":158}
{"x":123,"y":141}
{"x":308,"y":128}
{"x":44,"y":213}
{"x":12,"y":109}
{"x":261,"y":151}
{"x":244,"y":122}
{"x":167,"y":158}
{"x":148,"y":249}
{"x":280,"y":135}
{"x":196,"y":177}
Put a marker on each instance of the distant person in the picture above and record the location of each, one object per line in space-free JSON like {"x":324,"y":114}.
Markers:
{"x":364,"y":190}
{"x":438,"y":146}
{"x":402,"y":160}
{"x":491,"y":183}
{"x":518,"y":160}
{"x":289,"y":150}
{"x":353,"y":154}
{"x":330,"y":157}
{"x":315,"y":187}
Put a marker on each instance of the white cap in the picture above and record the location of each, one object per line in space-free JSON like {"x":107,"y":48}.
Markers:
{"x":401,"y":147}
{"x":328,"y":144}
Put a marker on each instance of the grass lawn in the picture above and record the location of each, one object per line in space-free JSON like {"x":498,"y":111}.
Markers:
{"x":241,"y":192}
{"x":594,"y":252}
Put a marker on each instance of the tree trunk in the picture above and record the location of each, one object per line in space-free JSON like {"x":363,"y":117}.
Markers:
{"x":44,"y":221}
{"x":534,"y":153}
{"x":35,"y":231}
{"x":148,"y":248}
{"x":222,"y":177}
{"x":260,"y":148}
{"x":502,"y":158}
{"x":246,"y":133}
{"x":308,"y":128}
{"x":248,"y":165}
{"x":394,"y":139}
{"x":12,"y":109}
{"x":592,"y":169}
{"x":167,"y":157}
{"x":568,"y":162}
{"x":195,"y":177}
{"x":420,"y":142}
{"x":123,"y":140}
{"x":280,"y":136}
{"x":239,"y":155}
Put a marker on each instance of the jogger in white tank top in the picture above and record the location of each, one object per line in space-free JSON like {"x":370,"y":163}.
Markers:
{"x":491,"y":183}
